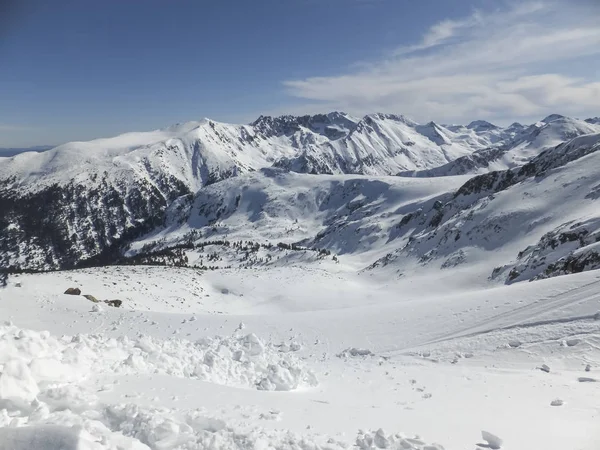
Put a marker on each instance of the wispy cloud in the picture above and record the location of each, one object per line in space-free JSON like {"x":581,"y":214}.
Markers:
{"x":510,"y":62}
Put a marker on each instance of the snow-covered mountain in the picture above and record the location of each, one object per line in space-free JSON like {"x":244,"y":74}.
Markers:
{"x":533,"y":221}
{"x":343,"y":214}
{"x":375,"y":299}
{"x":84,"y":199}
{"x":593,"y":120}
{"x":518,"y":146}
{"x":384,"y":144}
{"x":319,"y":182}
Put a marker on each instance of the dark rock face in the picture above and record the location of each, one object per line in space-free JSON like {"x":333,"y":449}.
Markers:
{"x":574,"y":264}
{"x":334,"y":125}
{"x":571,"y":248}
{"x":61,"y":227}
{"x":91,"y":298}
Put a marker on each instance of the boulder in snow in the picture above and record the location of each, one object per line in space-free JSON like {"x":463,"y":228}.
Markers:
{"x":114,"y":303}
{"x":587,"y":380}
{"x":73,"y":291}
{"x":545,"y":368}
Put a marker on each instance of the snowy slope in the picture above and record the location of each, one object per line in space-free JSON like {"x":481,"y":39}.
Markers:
{"x":317,"y":308}
{"x":413,"y":227}
{"x":86,"y":202}
{"x":519,"y":145}
{"x":275,"y":206}
{"x":83,"y":200}
{"x":516,"y":214}
{"x":381,"y":374}
{"x":384,"y":144}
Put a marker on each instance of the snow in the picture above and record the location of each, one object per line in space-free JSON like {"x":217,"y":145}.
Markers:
{"x":356,"y":320}
{"x":494,"y":442}
{"x":243,"y":361}
{"x":195,"y":152}
{"x":138,"y":376}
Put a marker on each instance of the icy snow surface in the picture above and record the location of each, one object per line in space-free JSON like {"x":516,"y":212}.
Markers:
{"x":400,"y":369}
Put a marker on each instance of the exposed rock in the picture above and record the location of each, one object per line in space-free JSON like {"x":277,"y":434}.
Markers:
{"x":91,"y":298}
{"x":73,"y":291}
{"x":570,"y":248}
{"x":545,"y":368}
{"x":114,"y":303}
{"x":572,"y":342}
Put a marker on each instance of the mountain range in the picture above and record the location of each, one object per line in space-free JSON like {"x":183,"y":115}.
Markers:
{"x":382,"y":193}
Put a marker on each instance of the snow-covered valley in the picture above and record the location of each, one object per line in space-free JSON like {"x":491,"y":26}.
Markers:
{"x":316,"y":282}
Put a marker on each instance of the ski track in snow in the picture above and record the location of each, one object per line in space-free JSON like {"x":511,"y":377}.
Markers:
{"x":520,"y":317}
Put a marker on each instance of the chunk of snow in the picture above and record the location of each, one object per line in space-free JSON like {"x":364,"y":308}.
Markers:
{"x":238,"y":361}
{"x":494,"y":442}
{"x":380,"y":440}
{"x":353,"y":351}
{"x":17,"y":382}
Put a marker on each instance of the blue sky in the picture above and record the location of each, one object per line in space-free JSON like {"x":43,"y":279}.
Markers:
{"x":80,"y":69}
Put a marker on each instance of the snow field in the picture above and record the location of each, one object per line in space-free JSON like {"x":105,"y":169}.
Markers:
{"x":400,"y":359}
{"x":44,"y":404}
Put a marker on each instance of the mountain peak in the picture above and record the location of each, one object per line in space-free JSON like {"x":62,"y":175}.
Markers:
{"x":552,"y":118}
{"x":482,"y":125}
{"x":333,"y":125}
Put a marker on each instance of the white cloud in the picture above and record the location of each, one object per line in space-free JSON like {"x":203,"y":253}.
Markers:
{"x":513,"y":62}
